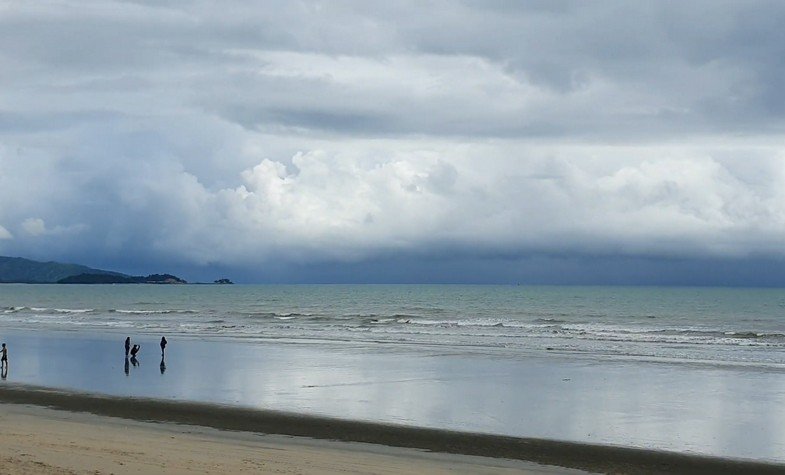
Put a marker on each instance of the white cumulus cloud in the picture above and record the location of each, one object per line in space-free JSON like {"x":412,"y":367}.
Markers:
{"x":658,"y":201}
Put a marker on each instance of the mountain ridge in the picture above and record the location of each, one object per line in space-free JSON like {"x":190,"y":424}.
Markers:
{"x":27,"y":271}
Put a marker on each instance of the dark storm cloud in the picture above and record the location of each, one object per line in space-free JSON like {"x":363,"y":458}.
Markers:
{"x":609,"y":70}
{"x":601,"y":69}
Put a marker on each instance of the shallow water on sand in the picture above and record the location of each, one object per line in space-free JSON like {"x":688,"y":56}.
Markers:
{"x":730,"y":411}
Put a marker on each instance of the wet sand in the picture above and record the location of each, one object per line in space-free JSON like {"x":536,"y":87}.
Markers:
{"x":35,"y":440}
{"x":726,"y":412}
{"x":98,"y":436}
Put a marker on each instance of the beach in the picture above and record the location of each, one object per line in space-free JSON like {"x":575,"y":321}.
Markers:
{"x":721,"y":411}
{"x":97,"y":434}
{"x":534,"y":410}
{"x":559,"y":377}
{"x":45,"y":441}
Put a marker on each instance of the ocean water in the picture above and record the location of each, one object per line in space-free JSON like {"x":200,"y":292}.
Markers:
{"x":698,"y":370}
{"x":717,"y":326}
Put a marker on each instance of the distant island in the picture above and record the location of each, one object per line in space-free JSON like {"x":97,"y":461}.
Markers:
{"x":18,"y":270}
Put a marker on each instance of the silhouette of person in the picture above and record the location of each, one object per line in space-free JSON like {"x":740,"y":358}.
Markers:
{"x":134,"y":350}
{"x":4,"y":357}
{"x":125,"y":367}
{"x":127,"y":345}
{"x":163,"y":346}
{"x":163,"y":365}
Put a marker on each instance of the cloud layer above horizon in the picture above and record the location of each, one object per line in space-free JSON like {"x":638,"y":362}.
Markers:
{"x":248,"y":135}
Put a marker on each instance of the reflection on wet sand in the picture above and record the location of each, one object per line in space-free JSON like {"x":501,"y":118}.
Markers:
{"x":671,"y":406}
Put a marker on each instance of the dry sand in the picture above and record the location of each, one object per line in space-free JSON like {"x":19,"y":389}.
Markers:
{"x":35,"y":440}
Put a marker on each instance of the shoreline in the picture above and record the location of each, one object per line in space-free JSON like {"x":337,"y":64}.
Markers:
{"x":590,"y":457}
{"x":38,"y":440}
{"x":693,"y":410}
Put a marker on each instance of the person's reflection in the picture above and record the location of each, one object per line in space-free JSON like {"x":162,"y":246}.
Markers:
{"x":163,"y":366}
{"x":126,"y":367}
{"x":4,"y":372}
{"x":134,"y":361}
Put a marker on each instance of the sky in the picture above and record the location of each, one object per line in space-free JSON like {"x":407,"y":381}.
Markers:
{"x":491,"y":141}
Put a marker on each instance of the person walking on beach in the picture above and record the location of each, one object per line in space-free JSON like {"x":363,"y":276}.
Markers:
{"x":127,"y":346}
{"x":163,"y":346}
{"x":4,"y":357}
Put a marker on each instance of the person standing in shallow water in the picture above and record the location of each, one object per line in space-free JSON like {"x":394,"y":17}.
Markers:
{"x":127,"y":346}
{"x":4,"y":357}
{"x":163,"y":346}
{"x":134,"y":351}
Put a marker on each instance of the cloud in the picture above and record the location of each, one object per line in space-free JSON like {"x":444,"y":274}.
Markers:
{"x":301,"y":132}
{"x":352,"y":205}
{"x":4,"y":234}
{"x":37,"y":227}
{"x":664,"y":202}
{"x":34,"y":226}
{"x":464,"y":69}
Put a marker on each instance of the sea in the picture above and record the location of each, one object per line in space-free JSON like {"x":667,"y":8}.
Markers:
{"x":696,"y":370}
{"x":720,"y":326}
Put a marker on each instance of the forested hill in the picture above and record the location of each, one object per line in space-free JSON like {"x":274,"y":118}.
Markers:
{"x":20,"y":270}
{"x":17,"y":269}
